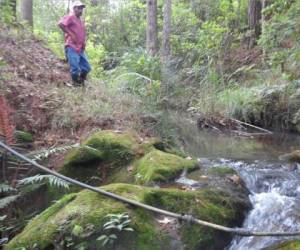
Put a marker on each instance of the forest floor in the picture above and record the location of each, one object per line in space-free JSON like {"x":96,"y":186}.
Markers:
{"x":36,"y":85}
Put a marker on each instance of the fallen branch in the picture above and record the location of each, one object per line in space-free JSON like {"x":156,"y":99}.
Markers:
{"x":252,"y":126}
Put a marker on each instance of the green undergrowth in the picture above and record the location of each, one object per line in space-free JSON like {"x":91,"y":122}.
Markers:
{"x":87,"y":210}
{"x":275,"y":105}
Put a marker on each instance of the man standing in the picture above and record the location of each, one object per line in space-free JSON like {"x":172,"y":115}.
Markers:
{"x":75,"y":40}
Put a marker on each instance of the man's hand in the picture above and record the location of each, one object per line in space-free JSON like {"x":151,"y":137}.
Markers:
{"x":66,"y":30}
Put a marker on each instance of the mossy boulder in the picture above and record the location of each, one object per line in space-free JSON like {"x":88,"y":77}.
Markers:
{"x":158,"y":166}
{"x":291,"y":157}
{"x":102,"y":149}
{"x":289,"y":245}
{"x":221,"y":170}
{"x":78,"y":219}
{"x":220,"y":178}
{"x":107,"y":146}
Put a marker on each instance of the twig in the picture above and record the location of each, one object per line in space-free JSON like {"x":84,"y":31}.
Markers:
{"x":250,"y":125}
{"x":137,"y":74}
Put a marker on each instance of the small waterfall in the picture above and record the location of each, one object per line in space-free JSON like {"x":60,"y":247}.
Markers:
{"x":275,"y":197}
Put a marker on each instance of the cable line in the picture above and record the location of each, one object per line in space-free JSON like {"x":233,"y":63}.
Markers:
{"x":181,"y":217}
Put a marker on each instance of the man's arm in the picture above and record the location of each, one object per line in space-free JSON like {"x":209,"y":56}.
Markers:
{"x":63,"y":24}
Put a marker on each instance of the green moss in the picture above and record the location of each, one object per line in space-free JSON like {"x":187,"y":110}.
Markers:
{"x":23,"y":136}
{"x":289,"y":245}
{"x":75,"y":213}
{"x":209,"y":205}
{"x":104,"y":149}
{"x":35,"y":232}
{"x":107,"y":146}
{"x":160,"y":166}
{"x":222,"y":171}
{"x":89,"y":208}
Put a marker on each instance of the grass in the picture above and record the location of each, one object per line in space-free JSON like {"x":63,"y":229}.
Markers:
{"x":92,"y":103}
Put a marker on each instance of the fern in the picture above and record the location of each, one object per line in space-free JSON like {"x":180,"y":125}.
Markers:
{"x":7,"y":200}
{"x":51,"y":179}
{"x":4,"y":188}
{"x":44,"y":154}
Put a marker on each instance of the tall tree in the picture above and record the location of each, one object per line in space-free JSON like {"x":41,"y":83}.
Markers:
{"x":151,"y":39}
{"x":254,"y":18}
{"x":13,"y":4}
{"x":26,"y":11}
{"x":167,"y":14}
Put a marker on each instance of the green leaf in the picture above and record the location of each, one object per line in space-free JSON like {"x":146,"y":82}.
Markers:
{"x":77,"y":230}
{"x":113,"y":236}
{"x":102,"y":237}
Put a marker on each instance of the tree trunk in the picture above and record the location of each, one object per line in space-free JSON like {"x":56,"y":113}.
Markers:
{"x":26,"y":11}
{"x":254,"y":17}
{"x":166,"y":47}
{"x":151,"y":39}
{"x":13,"y":4}
{"x":263,"y":27}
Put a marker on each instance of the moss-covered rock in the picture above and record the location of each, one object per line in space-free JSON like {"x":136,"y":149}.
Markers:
{"x":78,"y":219}
{"x":107,"y":146}
{"x":289,"y":245}
{"x":102,"y":149}
{"x":292,"y":157}
{"x":158,"y":166}
{"x":58,"y":225}
{"x":220,"y":170}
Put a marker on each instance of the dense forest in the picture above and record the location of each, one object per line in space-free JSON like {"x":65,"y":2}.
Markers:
{"x":162,"y":72}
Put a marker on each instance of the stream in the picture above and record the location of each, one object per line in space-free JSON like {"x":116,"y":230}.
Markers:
{"x":273,"y":184}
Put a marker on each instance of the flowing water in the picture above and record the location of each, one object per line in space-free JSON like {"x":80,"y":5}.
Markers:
{"x":274,"y":185}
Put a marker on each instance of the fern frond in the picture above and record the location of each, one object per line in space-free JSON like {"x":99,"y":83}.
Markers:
{"x":4,"y":188}
{"x":7,"y":200}
{"x":51,"y":179}
{"x":44,"y":154}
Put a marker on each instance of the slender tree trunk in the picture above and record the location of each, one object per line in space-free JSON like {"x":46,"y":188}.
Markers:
{"x":26,"y":11}
{"x":151,"y":39}
{"x":254,"y":18}
{"x":166,"y":46}
{"x":263,"y":23}
{"x":13,"y":4}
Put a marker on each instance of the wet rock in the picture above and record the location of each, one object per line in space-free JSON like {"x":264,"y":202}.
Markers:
{"x":225,"y":179}
{"x":291,"y":157}
{"x":78,"y":219}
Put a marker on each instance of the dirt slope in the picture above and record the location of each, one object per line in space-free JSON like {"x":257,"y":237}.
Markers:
{"x":27,"y":67}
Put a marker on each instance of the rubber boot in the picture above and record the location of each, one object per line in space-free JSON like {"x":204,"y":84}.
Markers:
{"x":76,"y":80}
{"x":83,"y":76}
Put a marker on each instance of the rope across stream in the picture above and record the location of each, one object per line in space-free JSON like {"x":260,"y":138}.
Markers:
{"x":181,"y":217}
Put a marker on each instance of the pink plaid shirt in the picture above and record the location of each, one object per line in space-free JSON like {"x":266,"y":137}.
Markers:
{"x":77,"y":27}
